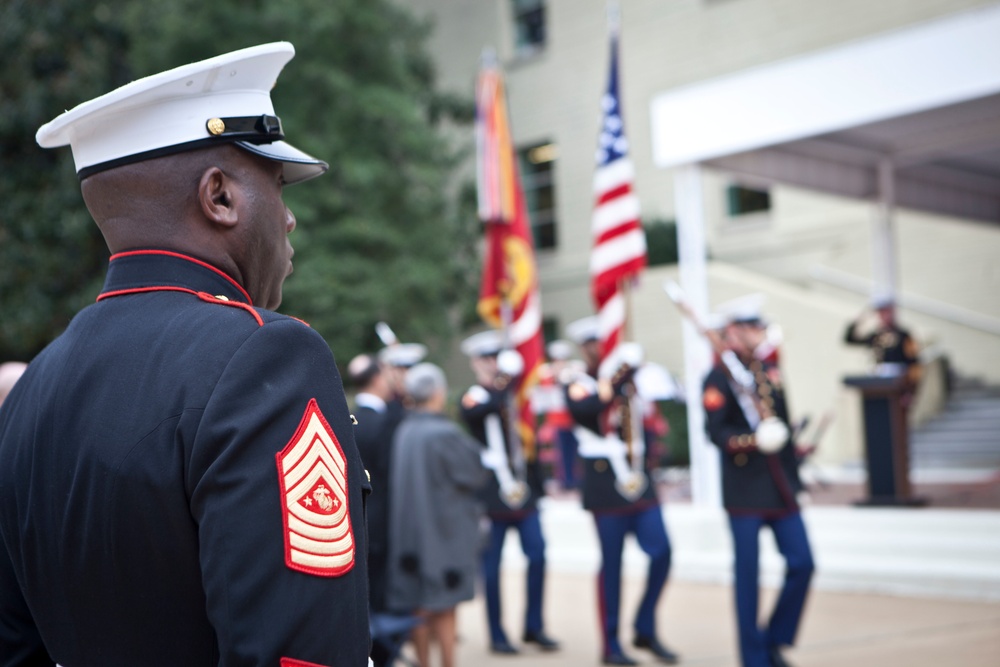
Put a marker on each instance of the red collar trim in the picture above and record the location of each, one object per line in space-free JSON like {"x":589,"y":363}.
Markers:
{"x":132,"y":253}
{"x":138,"y":290}
{"x":204,"y":296}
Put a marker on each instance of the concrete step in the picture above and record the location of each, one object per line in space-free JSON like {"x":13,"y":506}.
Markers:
{"x":948,"y":439}
{"x":966,"y":433}
{"x":985,"y":422}
{"x":987,"y":461}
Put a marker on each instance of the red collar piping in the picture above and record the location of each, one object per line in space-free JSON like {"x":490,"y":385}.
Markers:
{"x":131,"y":253}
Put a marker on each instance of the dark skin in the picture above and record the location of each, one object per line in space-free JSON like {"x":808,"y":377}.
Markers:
{"x":222,"y":205}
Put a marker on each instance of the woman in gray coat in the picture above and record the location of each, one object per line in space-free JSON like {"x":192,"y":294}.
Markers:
{"x":433,"y":515}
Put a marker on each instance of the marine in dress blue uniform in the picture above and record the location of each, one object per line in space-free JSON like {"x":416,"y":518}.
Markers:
{"x":591,"y":403}
{"x":180,"y":482}
{"x":483,"y":402}
{"x":892,"y":346}
{"x":759,"y":486}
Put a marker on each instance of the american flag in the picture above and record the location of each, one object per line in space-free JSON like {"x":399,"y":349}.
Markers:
{"x":619,"y":242}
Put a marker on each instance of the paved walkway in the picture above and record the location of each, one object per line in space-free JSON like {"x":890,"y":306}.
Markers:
{"x":893,"y":587}
{"x":696,"y":621}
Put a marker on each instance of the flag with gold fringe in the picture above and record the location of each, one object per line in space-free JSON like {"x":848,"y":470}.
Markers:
{"x":509,"y":297}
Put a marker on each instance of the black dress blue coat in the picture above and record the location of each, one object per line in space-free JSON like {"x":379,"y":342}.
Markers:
{"x":144,"y":514}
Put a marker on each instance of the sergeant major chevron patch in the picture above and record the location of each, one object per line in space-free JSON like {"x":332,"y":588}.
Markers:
{"x":312,"y":473}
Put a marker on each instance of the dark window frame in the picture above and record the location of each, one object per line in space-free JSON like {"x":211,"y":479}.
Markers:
{"x":742,"y":200}
{"x":538,"y":182}
{"x":530,"y":33}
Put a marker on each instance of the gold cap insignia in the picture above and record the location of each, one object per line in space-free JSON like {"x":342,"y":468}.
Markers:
{"x":215,"y":126}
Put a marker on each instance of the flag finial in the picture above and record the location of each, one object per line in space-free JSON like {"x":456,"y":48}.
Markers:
{"x":488,"y":58}
{"x":614,"y":16}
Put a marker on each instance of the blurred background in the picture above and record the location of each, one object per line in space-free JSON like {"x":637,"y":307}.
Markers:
{"x":788,"y":178}
{"x":820,"y":153}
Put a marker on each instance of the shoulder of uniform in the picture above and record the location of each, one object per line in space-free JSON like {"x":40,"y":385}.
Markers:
{"x":259,"y":315}
{"x":269,"y":316}
{"x":236,"y":306}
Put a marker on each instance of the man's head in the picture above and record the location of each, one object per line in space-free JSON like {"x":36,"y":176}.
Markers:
{"x":744,"y":337}
{"x":366,"y":374}
{"x":192,"y":159}
{"x":482,"y":349}
{"x":744,"y":329}
{"x":585,"y":333}
{"x":887,"y":315}
{"x":885,"y":308}
{"x":221,"y":204}
{"x":396,"y":360}
{"x":427,"y":387}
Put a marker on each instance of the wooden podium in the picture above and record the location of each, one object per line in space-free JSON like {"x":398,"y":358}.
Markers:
{"x":887,"y":447}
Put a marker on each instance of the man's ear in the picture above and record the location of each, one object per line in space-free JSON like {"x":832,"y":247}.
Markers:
{"x":217,"y":197}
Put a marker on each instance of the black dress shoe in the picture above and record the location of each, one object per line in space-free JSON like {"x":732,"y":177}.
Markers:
{"x":543,"y":641}
{"x":618,"y":659}
{"x":778,"y":660}
{"x":662,"y":653}
{"x":503,"y":648}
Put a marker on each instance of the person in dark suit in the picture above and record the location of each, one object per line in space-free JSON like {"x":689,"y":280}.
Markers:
{"x":180,"y":483}
{"x":747,"y":419}
{"x":511,"y":496}
{"x":373,"y":434}
{"x":617,"y":487}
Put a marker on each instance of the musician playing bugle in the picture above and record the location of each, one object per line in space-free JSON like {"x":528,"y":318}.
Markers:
{"x":617,"y":489}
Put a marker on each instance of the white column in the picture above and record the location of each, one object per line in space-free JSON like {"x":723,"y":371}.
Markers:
{"x":883,"y":239}
{"x":690,"y":211}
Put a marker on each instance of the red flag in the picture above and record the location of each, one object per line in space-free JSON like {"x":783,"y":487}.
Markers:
{"x":509,"y":297}
{"x":619,"y":242}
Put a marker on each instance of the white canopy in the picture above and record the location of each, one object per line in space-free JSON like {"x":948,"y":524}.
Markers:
{"x":926,"y":98}
{"x":906,"y":118}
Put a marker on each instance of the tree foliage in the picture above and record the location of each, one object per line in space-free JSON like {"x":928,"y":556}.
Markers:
{"x":379,"y":237}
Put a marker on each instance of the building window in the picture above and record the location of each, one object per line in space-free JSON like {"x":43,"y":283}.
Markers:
{"x":537,"y":164}
{"x":529,"y":26}
{"x":747,"y":200}
{"x":661,"y":242}
{"x":550,"y":329}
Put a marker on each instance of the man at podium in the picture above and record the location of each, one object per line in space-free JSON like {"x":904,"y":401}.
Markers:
{"x":894,"y":350}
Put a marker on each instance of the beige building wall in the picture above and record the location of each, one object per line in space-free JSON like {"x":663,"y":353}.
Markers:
{"x":810,"y":253}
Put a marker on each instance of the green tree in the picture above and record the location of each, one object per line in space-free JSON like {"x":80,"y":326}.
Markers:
{"x":378,"y":237}
{"x":51,"y":253}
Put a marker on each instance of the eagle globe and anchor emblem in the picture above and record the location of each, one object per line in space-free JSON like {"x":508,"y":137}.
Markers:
{"x":320,"y":499}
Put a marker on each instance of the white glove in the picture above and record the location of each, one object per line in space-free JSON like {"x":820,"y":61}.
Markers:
{"x":771,"y":435}
{"x":491,"y":459}
{"x":510,"y":363}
